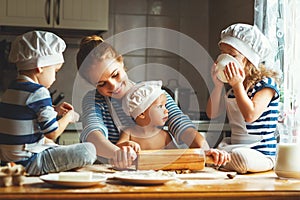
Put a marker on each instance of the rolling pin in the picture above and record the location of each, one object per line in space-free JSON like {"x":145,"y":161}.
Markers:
{"x":172,"y":159}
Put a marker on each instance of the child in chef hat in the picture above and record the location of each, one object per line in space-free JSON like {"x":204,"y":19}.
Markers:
{"x":251,"y":102}
{"x":27,"y":113}
{"x":145,"y":102}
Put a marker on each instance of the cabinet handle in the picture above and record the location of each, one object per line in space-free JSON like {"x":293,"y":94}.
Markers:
{"x":57,"y":11}
{"x":47,"y":11}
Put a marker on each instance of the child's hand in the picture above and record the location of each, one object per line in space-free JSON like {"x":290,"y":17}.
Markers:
{"x":136,"y":147}
{"x":74,"y":116}
{"x":234,"y":74}
{"x":63,"y":108}
{"x":215,"y":79}
{"x":220,"y":157}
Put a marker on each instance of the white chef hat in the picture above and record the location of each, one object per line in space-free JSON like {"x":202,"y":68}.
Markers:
{"x":37,"y":49}
{"x":248,"y":40}
{"x":140,"y":97}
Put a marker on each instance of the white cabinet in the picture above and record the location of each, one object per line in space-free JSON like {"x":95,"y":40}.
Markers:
{"x":65,"y":14}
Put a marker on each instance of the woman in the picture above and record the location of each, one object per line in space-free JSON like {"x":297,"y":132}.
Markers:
{"x":103,"y":117}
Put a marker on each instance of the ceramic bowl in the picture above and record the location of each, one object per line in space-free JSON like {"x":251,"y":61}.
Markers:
{"x":222,"y":61}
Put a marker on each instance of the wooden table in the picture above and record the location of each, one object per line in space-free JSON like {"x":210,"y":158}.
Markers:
{"x":252,"y":186}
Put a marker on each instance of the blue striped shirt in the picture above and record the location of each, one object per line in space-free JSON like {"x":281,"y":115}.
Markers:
{"x":266,"y":124}
{"x":26,"y":114}
{"x":97,"y":117}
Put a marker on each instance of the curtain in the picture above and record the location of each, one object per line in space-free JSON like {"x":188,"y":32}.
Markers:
{"x":268,"y":17}
{"x":279,"y":20}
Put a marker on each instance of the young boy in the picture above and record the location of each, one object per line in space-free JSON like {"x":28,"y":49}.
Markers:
{"x":28,"y":121}
{"x":145,"y":102}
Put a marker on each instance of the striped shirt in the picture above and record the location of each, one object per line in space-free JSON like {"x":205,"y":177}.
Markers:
{"x":265,"y":125}
{"x":26,"y":114}
{"x":97,"y":117}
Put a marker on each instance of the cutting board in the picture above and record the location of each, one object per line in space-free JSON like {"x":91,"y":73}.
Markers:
{"x":172,"y":159}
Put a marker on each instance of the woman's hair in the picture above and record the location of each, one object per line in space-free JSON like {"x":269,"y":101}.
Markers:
{"x":93,"y":48}
{"x":254,"y":75}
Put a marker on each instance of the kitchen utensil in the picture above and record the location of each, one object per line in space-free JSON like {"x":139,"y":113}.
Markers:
{"x":144,"y":177}
{"x":222,"y":61}
{"x":172,"y":159}
{"x":53,"y":178}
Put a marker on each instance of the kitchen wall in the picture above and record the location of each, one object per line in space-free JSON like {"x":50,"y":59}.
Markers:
{"x":198,"y":20}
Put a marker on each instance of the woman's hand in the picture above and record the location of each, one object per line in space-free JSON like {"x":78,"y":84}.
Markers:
{"x":220,"y":157}
{"x":136,"y":147}
{"x":123,"y":157}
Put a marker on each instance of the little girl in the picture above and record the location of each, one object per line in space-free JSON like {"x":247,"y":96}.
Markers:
{"x":251,"y":102}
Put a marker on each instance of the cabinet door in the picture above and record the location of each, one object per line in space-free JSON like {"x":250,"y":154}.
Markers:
{"x":68,"y":14}
{"x":34,"y":13}
{"x":82,"y":14}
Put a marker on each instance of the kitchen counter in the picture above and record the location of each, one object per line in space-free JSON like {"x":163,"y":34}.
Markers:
{"x":212,"y":130}
{"x":208,"y":126}
{"x":200,"y":125}
{"x":251,"y":186}
{"x":74,"y":126}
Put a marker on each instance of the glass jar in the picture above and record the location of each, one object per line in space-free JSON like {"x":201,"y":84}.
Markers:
{"x":288,"y":153}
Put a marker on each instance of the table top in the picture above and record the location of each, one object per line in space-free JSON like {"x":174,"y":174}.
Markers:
{"x":200,"y":185}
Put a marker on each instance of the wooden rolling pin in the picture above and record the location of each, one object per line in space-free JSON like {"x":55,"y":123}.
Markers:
{"x":172,"y":159}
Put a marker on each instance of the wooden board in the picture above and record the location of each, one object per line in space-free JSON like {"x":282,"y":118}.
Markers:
{"x":171,"y":159}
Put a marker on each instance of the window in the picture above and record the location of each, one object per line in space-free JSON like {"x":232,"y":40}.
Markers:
{"x":280,"y":22}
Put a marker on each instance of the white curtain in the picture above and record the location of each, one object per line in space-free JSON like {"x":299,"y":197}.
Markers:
{"x":280,"y":22}
{"x":268,"y":16}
